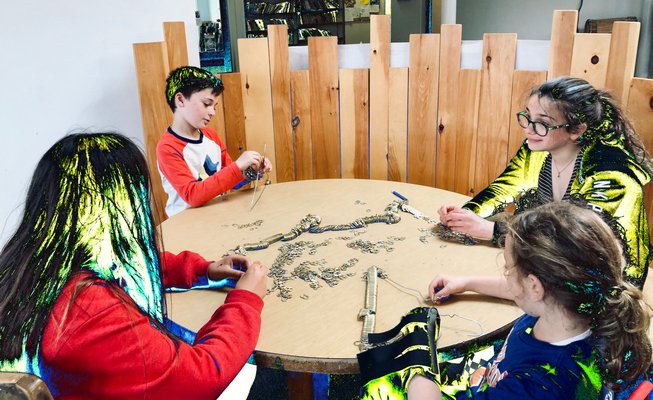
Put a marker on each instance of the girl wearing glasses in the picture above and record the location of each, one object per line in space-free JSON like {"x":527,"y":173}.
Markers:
{"x":579,"y":146}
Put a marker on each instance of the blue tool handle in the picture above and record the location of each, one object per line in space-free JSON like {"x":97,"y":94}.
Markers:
{"x":240,"y":184}
{"x":399,"y":195}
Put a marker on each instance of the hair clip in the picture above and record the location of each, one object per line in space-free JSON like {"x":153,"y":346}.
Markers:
{"x":557,"y":93}
{"x":614,"y":292}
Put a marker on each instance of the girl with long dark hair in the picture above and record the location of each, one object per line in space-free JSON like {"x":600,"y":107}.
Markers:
{"x":82,"y":281}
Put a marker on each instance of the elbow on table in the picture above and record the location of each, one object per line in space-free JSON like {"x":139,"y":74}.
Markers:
{"x":195,"y":202}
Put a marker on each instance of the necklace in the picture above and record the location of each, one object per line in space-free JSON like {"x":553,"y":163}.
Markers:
{"x":564,"y":168}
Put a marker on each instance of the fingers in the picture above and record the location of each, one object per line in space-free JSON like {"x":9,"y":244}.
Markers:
{"x":445,"y":212}
{"x":255,"y":159}
{"x":223,"y":269}
{"x":436,"y":283}
{"x":460,"y":219}
{"x":254,"y":279}
{"x":237,"y":259}
{"x":233,"y":274}
{"x":260,"y":268}
{"x":442,"y":213}
{"x":441,"y":295}
{"x":267,"y":167}
{"x":439,"y":290}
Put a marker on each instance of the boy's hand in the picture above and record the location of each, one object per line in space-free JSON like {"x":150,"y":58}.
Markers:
{"x":267,"y":165}
{"x":224,"y":268}
{"x":255,"y":279}
{"x":249,"y":158}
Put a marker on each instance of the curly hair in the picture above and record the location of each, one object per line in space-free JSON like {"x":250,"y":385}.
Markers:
{"x":578,"y":260}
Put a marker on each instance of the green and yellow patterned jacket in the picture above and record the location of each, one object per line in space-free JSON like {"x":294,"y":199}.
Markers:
{"x":609,"y":179}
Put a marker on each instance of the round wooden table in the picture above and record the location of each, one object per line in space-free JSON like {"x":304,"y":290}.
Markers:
{"x":318,"y":330}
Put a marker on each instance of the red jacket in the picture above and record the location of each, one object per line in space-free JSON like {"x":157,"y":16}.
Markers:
{"x":107,"y":349}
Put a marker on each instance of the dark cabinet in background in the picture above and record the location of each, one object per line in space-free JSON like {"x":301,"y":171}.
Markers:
{"x":304,"y":18}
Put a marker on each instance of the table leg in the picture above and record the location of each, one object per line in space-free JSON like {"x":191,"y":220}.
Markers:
{"x":302,"y":386}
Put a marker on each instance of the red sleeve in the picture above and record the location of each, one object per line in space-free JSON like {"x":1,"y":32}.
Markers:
{"x":195,"y":192}
{"x":181,"y":270}
{"x":107,"y":349}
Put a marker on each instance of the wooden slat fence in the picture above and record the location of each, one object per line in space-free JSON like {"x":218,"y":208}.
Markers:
{"x":432,"y":123}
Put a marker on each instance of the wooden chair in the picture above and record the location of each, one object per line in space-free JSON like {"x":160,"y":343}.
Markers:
{"x":21,"y":386}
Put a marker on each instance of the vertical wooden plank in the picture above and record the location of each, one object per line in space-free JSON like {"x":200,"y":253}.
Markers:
{"x":217,"y":122}
{"x":285,"y":163}
{"x":640,"y":109}
{"x":325,"y":135}
{"x":354,"y":120}
{"x":398,"y":124}
{"x":379,"y":85}
{"x":422,"y":107}
{"x":469,"y":87}
{"x":362,"y":118}
{"x":590,"y":59}
{"x":522,"y":83}
{"x":563,"y":31}
{"x":497,"y":68}
{"x":234,"y":117}
{"x":450,"y":48}
{"x":301,"y":112}
{"x":175,"y":38}
{"x":621,"y":62}
{"x":257,"y":97}
{"x":151,"y":62}
{"x":347,"y":123}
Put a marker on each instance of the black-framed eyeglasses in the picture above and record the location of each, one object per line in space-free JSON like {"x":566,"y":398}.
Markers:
{"x":540,"y":128}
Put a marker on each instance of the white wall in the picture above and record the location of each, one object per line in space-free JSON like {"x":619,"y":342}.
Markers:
{"x":531,"y":19}
{"x":209,"y":10}
{"x":68,"y":65}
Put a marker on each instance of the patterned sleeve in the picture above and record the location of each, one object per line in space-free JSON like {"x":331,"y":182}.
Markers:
{"x":621,"y":196}
{"x":521,"y":174}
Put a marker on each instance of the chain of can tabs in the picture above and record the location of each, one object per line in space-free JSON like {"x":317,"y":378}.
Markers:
{"x":329,"y":275}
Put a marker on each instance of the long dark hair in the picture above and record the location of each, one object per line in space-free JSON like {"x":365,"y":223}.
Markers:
{"x":578,"y":260}
{"x":87,"y":208}
{"x":582,"y":103}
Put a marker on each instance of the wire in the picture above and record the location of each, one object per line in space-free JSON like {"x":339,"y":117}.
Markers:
{"x":580,"y":6}
{"x":422,"y":300}
{"x":407,"y":290}
{"x":480,"y":327}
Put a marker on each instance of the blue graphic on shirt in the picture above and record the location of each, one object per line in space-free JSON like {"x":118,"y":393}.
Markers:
{"x":209,"y":166}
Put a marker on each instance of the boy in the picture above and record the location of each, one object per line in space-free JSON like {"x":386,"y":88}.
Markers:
{"x":192,"y":160}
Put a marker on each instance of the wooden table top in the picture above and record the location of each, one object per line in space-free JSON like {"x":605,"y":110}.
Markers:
{"x":317,"y":330}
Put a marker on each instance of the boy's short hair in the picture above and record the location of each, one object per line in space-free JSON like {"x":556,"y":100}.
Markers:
{"x":188,"y":80}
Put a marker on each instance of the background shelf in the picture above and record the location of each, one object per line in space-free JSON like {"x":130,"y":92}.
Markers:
{"x":304,"y":18}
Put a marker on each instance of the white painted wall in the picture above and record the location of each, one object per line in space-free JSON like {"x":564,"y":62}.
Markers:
{"x":68,"y":65}
{"x":209,"y":10}
{"x":531,"y":19}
